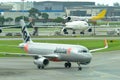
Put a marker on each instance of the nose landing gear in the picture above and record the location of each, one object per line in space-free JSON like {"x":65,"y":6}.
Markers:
{"x":79,"y":67}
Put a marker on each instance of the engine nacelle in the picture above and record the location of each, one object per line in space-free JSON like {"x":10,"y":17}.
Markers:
{"x":41,"y":61}
{"x":68,"y":18}
{"x":0,"y":30}
{"x":90,"y":30}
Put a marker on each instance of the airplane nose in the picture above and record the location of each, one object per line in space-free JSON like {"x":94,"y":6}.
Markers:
{"x":89,"y":57}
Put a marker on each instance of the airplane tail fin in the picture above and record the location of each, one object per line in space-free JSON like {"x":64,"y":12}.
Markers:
{"x":101,"y":15}
{"x":25,"y":33}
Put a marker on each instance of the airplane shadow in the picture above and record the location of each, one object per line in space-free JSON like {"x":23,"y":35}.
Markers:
{"x":63,"y":68}
{"x":58,"y":68}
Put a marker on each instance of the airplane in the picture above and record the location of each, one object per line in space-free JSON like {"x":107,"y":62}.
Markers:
{"x":76,"y":25}
{"x":81,"y":23}
{"x":43,"y":53}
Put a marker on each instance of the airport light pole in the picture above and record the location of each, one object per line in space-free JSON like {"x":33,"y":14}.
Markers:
{"x":23,"y":8}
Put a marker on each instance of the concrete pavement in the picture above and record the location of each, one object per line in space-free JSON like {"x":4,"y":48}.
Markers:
{"x":104,"y":66}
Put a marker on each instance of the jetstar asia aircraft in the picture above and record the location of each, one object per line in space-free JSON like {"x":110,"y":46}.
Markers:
{"x":45,"y":52}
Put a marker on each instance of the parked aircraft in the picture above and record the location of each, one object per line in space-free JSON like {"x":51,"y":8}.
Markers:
{"x":45,"y":52}
{"x":80,"y":23}
{"x":76,"y":25}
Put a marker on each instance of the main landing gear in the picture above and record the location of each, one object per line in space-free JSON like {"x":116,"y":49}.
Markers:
{"x":67,"y":65}
{"x":65,"y":31}
{"x":40,"y":67}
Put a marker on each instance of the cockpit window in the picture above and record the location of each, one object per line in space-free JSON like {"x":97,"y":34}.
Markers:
{"x":86,"y":24}
{"x":82,"y":51}
{"x":85,"y":51}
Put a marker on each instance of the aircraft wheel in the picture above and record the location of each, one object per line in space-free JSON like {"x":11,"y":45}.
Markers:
{"x":0,"y":30}
{"x":81,"y":32}
{"x":66,"y":32}
{"x":80,"y":68}
{"x":39,"y":67}
{"x":42,"y":67}
{"x":67,"y":65}
{"x":73,"y":32}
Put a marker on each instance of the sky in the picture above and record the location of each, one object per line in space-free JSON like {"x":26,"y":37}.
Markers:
{"x":109,"y":2}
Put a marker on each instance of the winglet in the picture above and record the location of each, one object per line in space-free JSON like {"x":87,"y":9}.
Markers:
{"x":106,"y":43}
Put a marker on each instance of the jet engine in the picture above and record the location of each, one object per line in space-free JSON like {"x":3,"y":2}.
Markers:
{"x":68,"y":19}
{"x":0,"y":30}
{"x":89,"y":30}
{"x":41,"y":62}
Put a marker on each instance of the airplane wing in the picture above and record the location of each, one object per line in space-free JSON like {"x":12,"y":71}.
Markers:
{"x":106,"y":46}
{"x":16,"y":54}
{"x":5,"y":27}
{"x":8,"y":26}
{"x":32,"y":55}
{"x":51,"y":56}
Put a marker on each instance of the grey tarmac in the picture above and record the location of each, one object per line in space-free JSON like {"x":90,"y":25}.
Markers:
{"x":104,"y":66}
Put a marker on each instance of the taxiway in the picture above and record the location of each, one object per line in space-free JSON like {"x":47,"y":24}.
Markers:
{"x":104,"y":66}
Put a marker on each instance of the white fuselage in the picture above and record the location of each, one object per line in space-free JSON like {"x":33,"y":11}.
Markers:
{"x":77,"y":25}
{"x":81,"y":18}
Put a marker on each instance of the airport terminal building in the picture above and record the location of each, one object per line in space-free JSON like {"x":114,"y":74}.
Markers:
{"x":53,"y":8}
{"x":59,"y":9}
